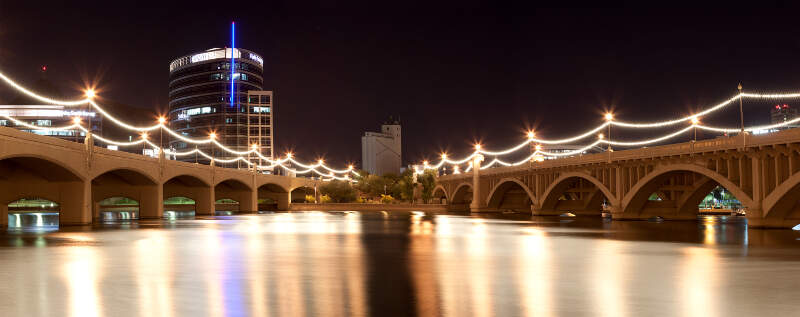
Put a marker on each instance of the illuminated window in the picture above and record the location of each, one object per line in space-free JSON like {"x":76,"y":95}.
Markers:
{"x":44,"y":123}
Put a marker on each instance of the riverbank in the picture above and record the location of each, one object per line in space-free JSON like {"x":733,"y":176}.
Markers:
{"x":367,"y":207}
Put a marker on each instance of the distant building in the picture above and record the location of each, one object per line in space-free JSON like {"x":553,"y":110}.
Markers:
{"x":33,"y":112}
{"x":381,"y":151}
{"x":783,"y":113}
{"x":205,"y":97}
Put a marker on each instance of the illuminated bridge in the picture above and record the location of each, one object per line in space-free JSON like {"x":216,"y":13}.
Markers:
{"x":761,"y":171}
{"x":78,"y":177}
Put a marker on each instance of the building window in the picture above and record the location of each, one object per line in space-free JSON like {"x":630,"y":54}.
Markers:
{"x":265,"y":99}
{"x":261,"y":109}
{"x":44,"y":123}
{"x":228,"y":120}
{"x":3,"y":122}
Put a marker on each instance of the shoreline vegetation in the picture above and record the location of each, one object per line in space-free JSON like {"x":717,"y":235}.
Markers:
{"x":407,"y":188}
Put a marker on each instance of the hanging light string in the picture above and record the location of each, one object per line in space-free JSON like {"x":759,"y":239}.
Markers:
{"x":693,"y":119}
{"x":90,"y":94}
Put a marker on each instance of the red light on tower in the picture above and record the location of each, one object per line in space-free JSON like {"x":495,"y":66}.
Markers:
{"x":777,"y":107}
{"x":44,"y":68}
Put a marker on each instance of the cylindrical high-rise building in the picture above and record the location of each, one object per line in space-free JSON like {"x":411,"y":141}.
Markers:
{"x":204,"y":99}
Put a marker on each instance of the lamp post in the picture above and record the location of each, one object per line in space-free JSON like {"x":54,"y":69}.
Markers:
{"x":161,"y":121}
{"x":213,"y":137}
{"x":77,"y":121}
{"x":609,"y":117}
{"x":741,"y":118}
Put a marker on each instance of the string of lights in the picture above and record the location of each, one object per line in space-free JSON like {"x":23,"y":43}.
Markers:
{"x":539,"y":153}
{"x":90,"y":95}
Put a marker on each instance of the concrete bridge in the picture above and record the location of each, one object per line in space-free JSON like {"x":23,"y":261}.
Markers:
{"x":761,"y":171}
{"x":78,"y":177}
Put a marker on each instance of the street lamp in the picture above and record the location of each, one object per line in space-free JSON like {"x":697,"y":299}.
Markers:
{"x":212,"y":136}
{"x":255,"y":149}
{"x":90,"y":93}
{"x":144,"y":137}
{"x":161,"y":121}
{"x":77,"y":121}
{"x":741,"y":117}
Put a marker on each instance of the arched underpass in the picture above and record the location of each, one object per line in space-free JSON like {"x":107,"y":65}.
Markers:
{"x":235,"y":197}
{"x":577,"y":195}
{"x":509,"y":195}
{"x":118,"y":208}
{"x":462,"y":197}
{"x":33,"y":213}
{"x":37,"y":178}
{"x":299,"y":194}
{"x":192,"y":188}
{"x":125,"y":183}
{"x":276,"y":193}
{"x":179,"y":207}
{"x":680,"y":194}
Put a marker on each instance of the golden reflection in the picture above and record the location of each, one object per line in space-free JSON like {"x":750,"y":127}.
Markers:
{"x":354,"y":269}
{"x":153,"y":270}
{"x":609,"y":270}
{"x":480,"y":270}
{"x":699,"y":282}
{"x":535,"y":272}
{"x":710,"y":231}
{"x":81,"y":272}
{"x":424,"y":273}
{"x":211,"y":265}
{"x":289,"y":279}
{"x":256,"y":249}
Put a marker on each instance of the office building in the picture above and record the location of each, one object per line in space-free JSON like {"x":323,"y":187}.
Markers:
{"x":206,"y":96}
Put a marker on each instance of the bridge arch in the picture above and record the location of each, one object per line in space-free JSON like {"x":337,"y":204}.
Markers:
{"x":704,"y":180}
{"x":275,"y":192}
{"x":192,"y":187}
{"x":439,"y":193}
{"x":235,"y":189}
{"x":502,"y":196}
{"x":131,"y":183}
{"x":588,"y":200}
{"x":461,"y":197}
{"x":783,"y":203}
{"x":47,"y":178}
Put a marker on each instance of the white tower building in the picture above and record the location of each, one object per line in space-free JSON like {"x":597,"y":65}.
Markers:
{"x":381,"y":151}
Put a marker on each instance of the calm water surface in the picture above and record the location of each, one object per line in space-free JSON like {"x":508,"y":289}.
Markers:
{"x":379,"y":264}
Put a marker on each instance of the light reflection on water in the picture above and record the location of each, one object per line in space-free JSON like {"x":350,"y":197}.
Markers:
{"x":377,"y":263}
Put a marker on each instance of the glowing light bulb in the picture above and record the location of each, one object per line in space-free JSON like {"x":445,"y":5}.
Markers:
{"x":162,"y":120}
{"x":609,"y":116}
{"x":289,"y":155}
{"x":321,"y":162}
{"x":144,"y":135}
{"x":477,"y":147}
{"x":444,"y":156}
{"x":600,"y":136}
{"x":425,"y":163}
{"x":531,"y":135}
{"x":76,"y":120}
{"x":350,"y":167}
{"x":90,"y":93}
{"x":254,"y":146}
{"x":212,"y":135}
{"x":538,"y":147}
{"x":695,"y":120}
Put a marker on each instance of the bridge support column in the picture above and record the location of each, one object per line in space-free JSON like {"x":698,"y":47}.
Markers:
{"x":249,"y":202}
{"x":3,"y":215}
{"x":284,"y":200}
{"x":205,"y":203}
{"x":76,"y":208}
{"x":151,"y":205}
{"x":477,"y":204}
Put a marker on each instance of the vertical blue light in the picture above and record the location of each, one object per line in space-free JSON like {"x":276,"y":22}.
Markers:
{"x":233,"y":47}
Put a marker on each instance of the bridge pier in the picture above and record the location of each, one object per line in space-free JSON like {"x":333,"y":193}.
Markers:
{"x":76,"y":208}
{"x":3,"y":215}
{"x":151,"y":204}
{"x":284,"y":200}
{"x":478,"y":203}
{"x":249,"y":202}
{"x":205,"y":204}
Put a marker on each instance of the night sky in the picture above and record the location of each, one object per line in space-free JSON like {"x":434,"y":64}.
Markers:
{"x":453,"y":74}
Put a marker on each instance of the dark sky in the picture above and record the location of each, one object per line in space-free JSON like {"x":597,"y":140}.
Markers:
{"x":454,"y":74}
